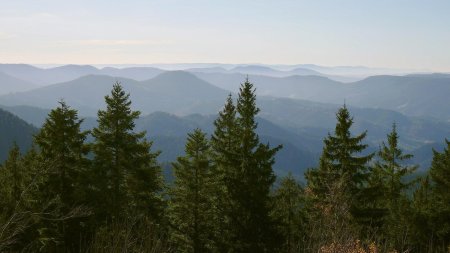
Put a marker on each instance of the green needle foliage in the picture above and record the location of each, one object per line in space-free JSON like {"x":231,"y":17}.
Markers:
{"x":127,"y":176}
{"x":62,"y":152}
{"x":289,"y":211}
{"x":62,"y":148}
{"x":13,"y":181}
{"x":438,"y":202}
{"x":190,"y":211}
{"x":337,"y":186}
{"x":66,"y":195}
{"x":389,"y":187}
{"x":224,"y":153}
{"x":245,"y":172}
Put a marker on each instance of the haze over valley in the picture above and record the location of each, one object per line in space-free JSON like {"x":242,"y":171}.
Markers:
{"x":298,"y":104}
{"x":171,"y":126}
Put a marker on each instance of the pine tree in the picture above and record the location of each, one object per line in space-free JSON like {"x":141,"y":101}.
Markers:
{"x":224,"y":153}
{"x":12,"y":181}
{"x":389,"y":187}
{"x":389,"y":172}
{"x":245,"y":166}
{"x":431,"y":217}
{"x":14,"y":202}
{"x":225,"y":140}
{"x":422,"y":229}
{"x":288,"y":210}
{"x":440,"y":176}
{"x":62,"y":148}
{"x":63,"y":151}
{"x":337,"y":187}
{"x":190,"y":204}
{"x":341,"y":153}
{"x":127,"y":174}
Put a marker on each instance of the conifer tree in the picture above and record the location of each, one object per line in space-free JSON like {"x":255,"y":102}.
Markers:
{"x":127,"y":174}
{"x":224,"y":153}
{"x":422,"y":229}
{"x":341,"y":153}
{"x":246,"y":168}
{"x":289,"y":212}
{"x":62,"y":151}
{"x":14,"y":202}
{"x":12,"y":181}
{"x":190,"y":211}
{"x":62,"y":148}
{"x":225,"y":140}
{"x":389,"y":187}
{"x":336,"y":188}
{"x":440,"y":176}
{"x":389,"y":172}
{"x":431,"y":222}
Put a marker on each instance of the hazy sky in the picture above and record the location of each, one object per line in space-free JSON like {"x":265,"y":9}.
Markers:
{"x":384,"y":33}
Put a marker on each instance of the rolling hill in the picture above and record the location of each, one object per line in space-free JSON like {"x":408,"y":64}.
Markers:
{"x":416,"y":95}
{"x":43,"y":77}
{"x":300,"y":125}
{"x":176,"y":92}
{"x":14,"y":130}
{"x":10,"y":84}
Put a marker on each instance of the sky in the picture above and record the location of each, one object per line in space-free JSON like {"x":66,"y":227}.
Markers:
{"x":403,"y":34}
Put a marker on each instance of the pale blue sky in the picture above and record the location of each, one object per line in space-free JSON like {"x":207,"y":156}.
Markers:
{"x":380,"y":33}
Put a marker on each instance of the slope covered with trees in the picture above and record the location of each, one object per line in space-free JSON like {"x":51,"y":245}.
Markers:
{"x":68,"y":194}
{"x":14,"y":130}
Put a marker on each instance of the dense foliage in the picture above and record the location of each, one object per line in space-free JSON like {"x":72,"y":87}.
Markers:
{"x":69,"y":195}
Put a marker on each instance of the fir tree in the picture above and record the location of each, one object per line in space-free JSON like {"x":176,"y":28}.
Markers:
{"x":190,"y":204}
{"x":127,"y":174}
{"x":341,"y":153}
{"x":422,"y":230}
{"x":389,"y":172}
{"x":12,"y":180}
{"x":431,"y":222}
{"x":337,"y":187}
{"x":62,"y":151}
{"x":440,"y":215}
{"x":245,"y":165}
{"x":288,"y":210}
{"x":62,"y":148}
{"x":389,"y":187}
{"x":224,"y":153}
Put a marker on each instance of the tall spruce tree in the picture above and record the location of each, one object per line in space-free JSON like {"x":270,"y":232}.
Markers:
{"x":190,"y":211}
{"x":390,"y":172}
{"x":128,"y":177}
{"x":341,"y":153}
{"x":247,"y":176}
{"x":224,"y":153}
{"x":62,"y":151}
{"x":337,"y":186}
{"x":431,"y":213}
{"x":389,"y":186}
{"x":62,"y":148}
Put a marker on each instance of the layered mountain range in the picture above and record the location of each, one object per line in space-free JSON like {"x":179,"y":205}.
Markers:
{"x":298,"y":104}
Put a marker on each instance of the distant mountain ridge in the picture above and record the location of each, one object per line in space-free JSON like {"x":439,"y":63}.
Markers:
{"x":11,"y":84}
{"x":43,"y":77}
{"x":300,"y":110}
{"x":176,"y":92}
{"x":421,"y":95}
{"x":14,"y":130}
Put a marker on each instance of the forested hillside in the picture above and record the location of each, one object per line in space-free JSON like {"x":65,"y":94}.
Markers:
{"x":14,"y":131}
{"x":98,"y":187}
